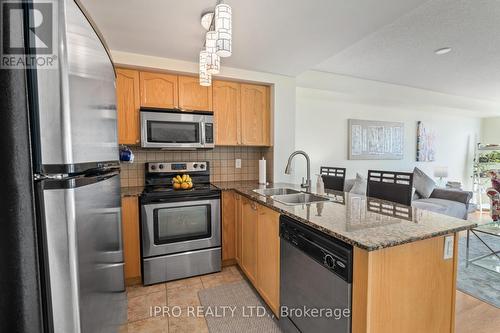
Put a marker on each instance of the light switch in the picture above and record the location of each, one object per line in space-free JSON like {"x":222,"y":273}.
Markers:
{"x":237,"y":163}
{"x":448,"y":247}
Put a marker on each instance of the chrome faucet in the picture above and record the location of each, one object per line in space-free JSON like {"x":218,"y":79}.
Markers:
{"x":288,"y":169}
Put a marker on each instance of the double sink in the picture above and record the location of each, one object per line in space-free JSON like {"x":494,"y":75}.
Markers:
{"x":291,"y":197}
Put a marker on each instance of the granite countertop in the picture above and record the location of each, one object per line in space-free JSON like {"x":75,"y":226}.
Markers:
{"x":131,"y":191}
{"x":367,"y":223}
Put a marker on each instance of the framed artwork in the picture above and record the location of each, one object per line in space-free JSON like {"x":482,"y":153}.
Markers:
{"x":375,"y":140}
{"x":426,"y":143}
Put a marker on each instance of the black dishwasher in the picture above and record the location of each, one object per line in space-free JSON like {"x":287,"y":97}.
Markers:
{"x":315,"y":279}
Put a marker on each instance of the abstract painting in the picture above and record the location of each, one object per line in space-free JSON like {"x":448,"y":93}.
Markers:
{"x":426,"y":143}
{"x":375,"y":140}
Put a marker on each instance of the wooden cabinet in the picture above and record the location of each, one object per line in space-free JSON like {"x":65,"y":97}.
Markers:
{"x":391,"y":293}
{"x":159,"y":90}
{"x":226,"y":104}
{"x":257,"y":249}
{"x":193,"y":96}
{"x":241,"y":111}
{"x":131,"y":240}
{"x":255,"y":115}
{"x":249,"y":218}
{"x":127,"y":105}
{"x":268,"y":257}
{"x":228,"y":227}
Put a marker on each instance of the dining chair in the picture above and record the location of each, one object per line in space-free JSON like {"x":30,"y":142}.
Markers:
{"x":333,"y":178}
{"x":390,"y":185}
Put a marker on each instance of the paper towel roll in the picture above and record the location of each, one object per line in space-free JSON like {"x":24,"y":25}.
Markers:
{"x":262,"y":171}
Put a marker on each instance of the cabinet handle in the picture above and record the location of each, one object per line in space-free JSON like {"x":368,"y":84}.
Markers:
{"x":254,"y":206}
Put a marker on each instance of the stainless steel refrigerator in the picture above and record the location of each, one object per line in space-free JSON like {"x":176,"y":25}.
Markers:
{"x":75,"y":180}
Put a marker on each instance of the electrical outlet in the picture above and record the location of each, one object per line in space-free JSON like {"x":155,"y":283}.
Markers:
{"x":237,"y":163}
{"x":448,"y":247}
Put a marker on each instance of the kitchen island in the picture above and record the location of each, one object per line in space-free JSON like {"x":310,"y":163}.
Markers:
{"x":405,"y":259}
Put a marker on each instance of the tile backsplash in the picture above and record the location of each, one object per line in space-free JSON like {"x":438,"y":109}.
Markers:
{"x":222,"y":163}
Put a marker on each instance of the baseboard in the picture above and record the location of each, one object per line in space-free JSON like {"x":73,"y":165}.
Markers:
{"x":228,"y":262}
{"x":133,"y":281}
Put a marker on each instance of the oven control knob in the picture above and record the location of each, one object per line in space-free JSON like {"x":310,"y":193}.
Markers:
{"x":195,"y":165}
{"x":202,"y":166}
{"x":161,"y":166}
{"x":329,"y":261}
{"x":153,"y":167}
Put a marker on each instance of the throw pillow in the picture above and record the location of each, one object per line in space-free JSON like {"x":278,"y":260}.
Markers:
{"x":424,"y":185}
{"x":359,"y":186}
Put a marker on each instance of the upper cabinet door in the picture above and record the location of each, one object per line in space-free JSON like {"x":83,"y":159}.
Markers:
{"x":255,"y":115}
{"x":192,"y":96}
{"x":127,"y":105}
{"x":159,"y":90}
{"x":227,"y":113}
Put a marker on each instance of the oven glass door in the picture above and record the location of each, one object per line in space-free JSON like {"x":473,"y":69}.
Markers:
{"x":180,"y":224}
{"x":173,"y":132}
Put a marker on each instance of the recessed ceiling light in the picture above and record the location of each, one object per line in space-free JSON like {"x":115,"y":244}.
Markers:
{"x":443,"y":50}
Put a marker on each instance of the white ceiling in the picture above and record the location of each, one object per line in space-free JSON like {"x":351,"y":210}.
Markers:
{"x":402,"y":52}
{"x":277,"y":36}
{"x":384,"y":40}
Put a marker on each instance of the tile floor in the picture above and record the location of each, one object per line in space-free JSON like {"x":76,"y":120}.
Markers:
{"x":471,"y":313}
{"x":181,"y":293}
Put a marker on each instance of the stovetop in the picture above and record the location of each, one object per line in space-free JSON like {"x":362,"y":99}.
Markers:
{"x":159,"y":182}
{"x":168,"y":190}
{"x":167,"y":193}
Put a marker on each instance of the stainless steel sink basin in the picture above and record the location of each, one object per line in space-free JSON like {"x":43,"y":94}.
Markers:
{"x":275,"y":191}
{"x":298,"y":198}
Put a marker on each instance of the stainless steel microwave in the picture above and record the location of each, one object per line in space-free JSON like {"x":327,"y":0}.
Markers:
{"x":176,"y":129}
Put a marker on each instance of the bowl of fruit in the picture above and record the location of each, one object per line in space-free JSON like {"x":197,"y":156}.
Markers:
{"x":183,"y":182}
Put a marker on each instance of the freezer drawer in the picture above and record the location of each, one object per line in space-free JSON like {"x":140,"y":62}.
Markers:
{"x":83,"y":253}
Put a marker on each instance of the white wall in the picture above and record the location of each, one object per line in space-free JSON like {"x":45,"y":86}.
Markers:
{"x":490,"y":130}
{"x":322,"y":129}
{"x":283,"y":98}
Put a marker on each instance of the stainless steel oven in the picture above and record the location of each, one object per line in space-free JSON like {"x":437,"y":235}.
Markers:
{"x":175,"y":129}
{"x":180,"y":229}
{"x":180,"y":226}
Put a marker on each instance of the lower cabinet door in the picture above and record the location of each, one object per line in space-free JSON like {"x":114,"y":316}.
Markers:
{"x":131,"y":240}
{"x":249,"y":219}
{"x":268,"y":257}
{"x":228,"y":226}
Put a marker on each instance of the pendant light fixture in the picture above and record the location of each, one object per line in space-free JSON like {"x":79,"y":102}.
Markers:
{"x":205,"y":77}
{"x":213,"y":60}
{"x":224,"y":29}
{"x":218,"y":41}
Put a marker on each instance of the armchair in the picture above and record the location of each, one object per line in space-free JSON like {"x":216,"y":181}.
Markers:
{"x":494,"y":194}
